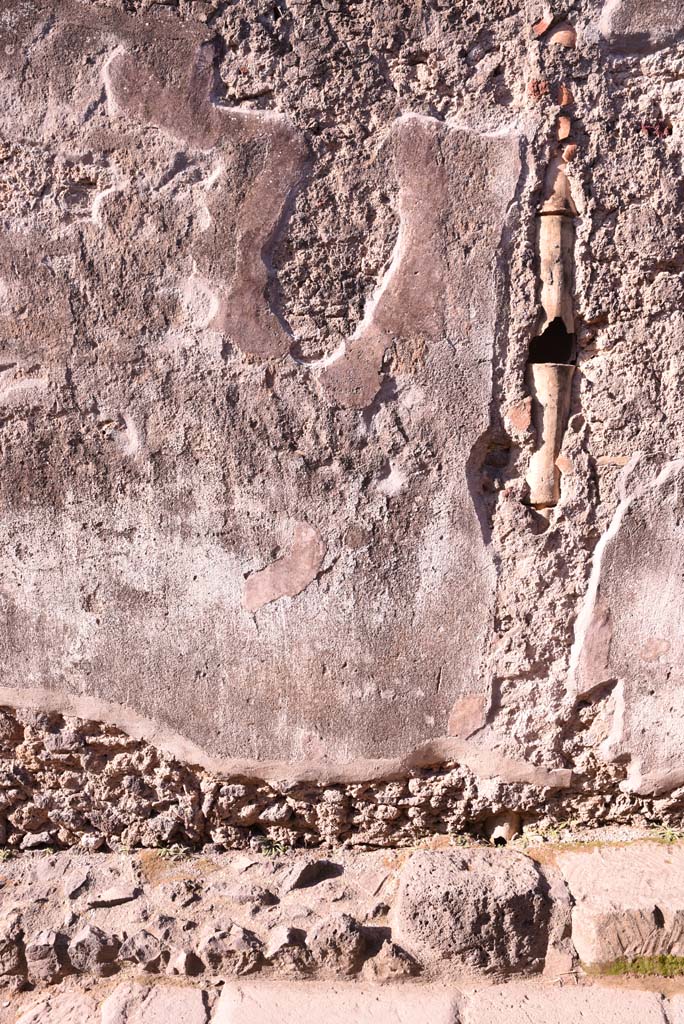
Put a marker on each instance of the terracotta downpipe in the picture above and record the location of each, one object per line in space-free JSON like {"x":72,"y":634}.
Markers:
{"x":551,"y":385}
{"x":550,"y":381}
{"x":557,"y":247}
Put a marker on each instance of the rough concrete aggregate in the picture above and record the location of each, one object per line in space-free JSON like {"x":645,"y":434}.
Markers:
{"x":67,"y":782}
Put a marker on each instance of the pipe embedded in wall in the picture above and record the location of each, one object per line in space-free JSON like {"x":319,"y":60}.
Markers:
{"x":550,"y":369}
{"x":551,"y":386}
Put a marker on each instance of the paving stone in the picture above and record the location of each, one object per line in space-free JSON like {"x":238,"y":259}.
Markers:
{"x":628,"y":901}
{"x":132,"y":1003}
{"x":570,"y":1004}
{"x":295,"y":1003}
{"x":61,"y":1008}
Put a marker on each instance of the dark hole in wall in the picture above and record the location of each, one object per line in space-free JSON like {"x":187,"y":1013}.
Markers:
{"x":658,"y":917}
{"x":553,"y":345}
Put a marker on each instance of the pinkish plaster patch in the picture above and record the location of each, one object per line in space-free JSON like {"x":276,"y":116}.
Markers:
{"x":289,"y":575}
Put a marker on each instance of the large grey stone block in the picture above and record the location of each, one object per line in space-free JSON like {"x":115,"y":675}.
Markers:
{"x":476,"y":910}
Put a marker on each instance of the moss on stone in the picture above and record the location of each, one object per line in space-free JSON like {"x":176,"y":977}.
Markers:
{"x":664,"y":966}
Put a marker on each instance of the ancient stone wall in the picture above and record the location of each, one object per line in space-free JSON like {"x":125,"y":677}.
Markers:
{"x":340,"y":376}
{"x":462,"y":936}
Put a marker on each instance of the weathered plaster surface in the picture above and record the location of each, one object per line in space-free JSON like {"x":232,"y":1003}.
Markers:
{"x":641,"y":24}
{"x":158,"y":474}
{"x":631,"y":629}
{"x":269,"y":275}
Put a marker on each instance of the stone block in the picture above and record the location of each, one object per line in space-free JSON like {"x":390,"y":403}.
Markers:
{"x":46,"y":956}
{"x":337,"y":944}
{"x":131,"y":1003}
{"x":273,"y":1003}
{"x":569,"y":1004}
{"x":628,"y":901}
{"x":675,"y":1009}
{"x":476,"y":910}
{"x":232,"y":949}
{"x":93,"y":951}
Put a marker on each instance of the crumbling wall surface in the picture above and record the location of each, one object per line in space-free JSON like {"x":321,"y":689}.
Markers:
{"x":273,"y":557}
{"x":630,"y":630}
{"x":269,"y":278}
{"x":68,"y":782}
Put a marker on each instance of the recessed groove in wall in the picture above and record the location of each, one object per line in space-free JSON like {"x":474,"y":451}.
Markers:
{"x":552,"y":351}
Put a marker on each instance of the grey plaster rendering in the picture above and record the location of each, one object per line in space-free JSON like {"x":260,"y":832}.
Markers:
{"x":325,"y":335}
{"x":214,"y":536}
{"x":629,"y":633}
